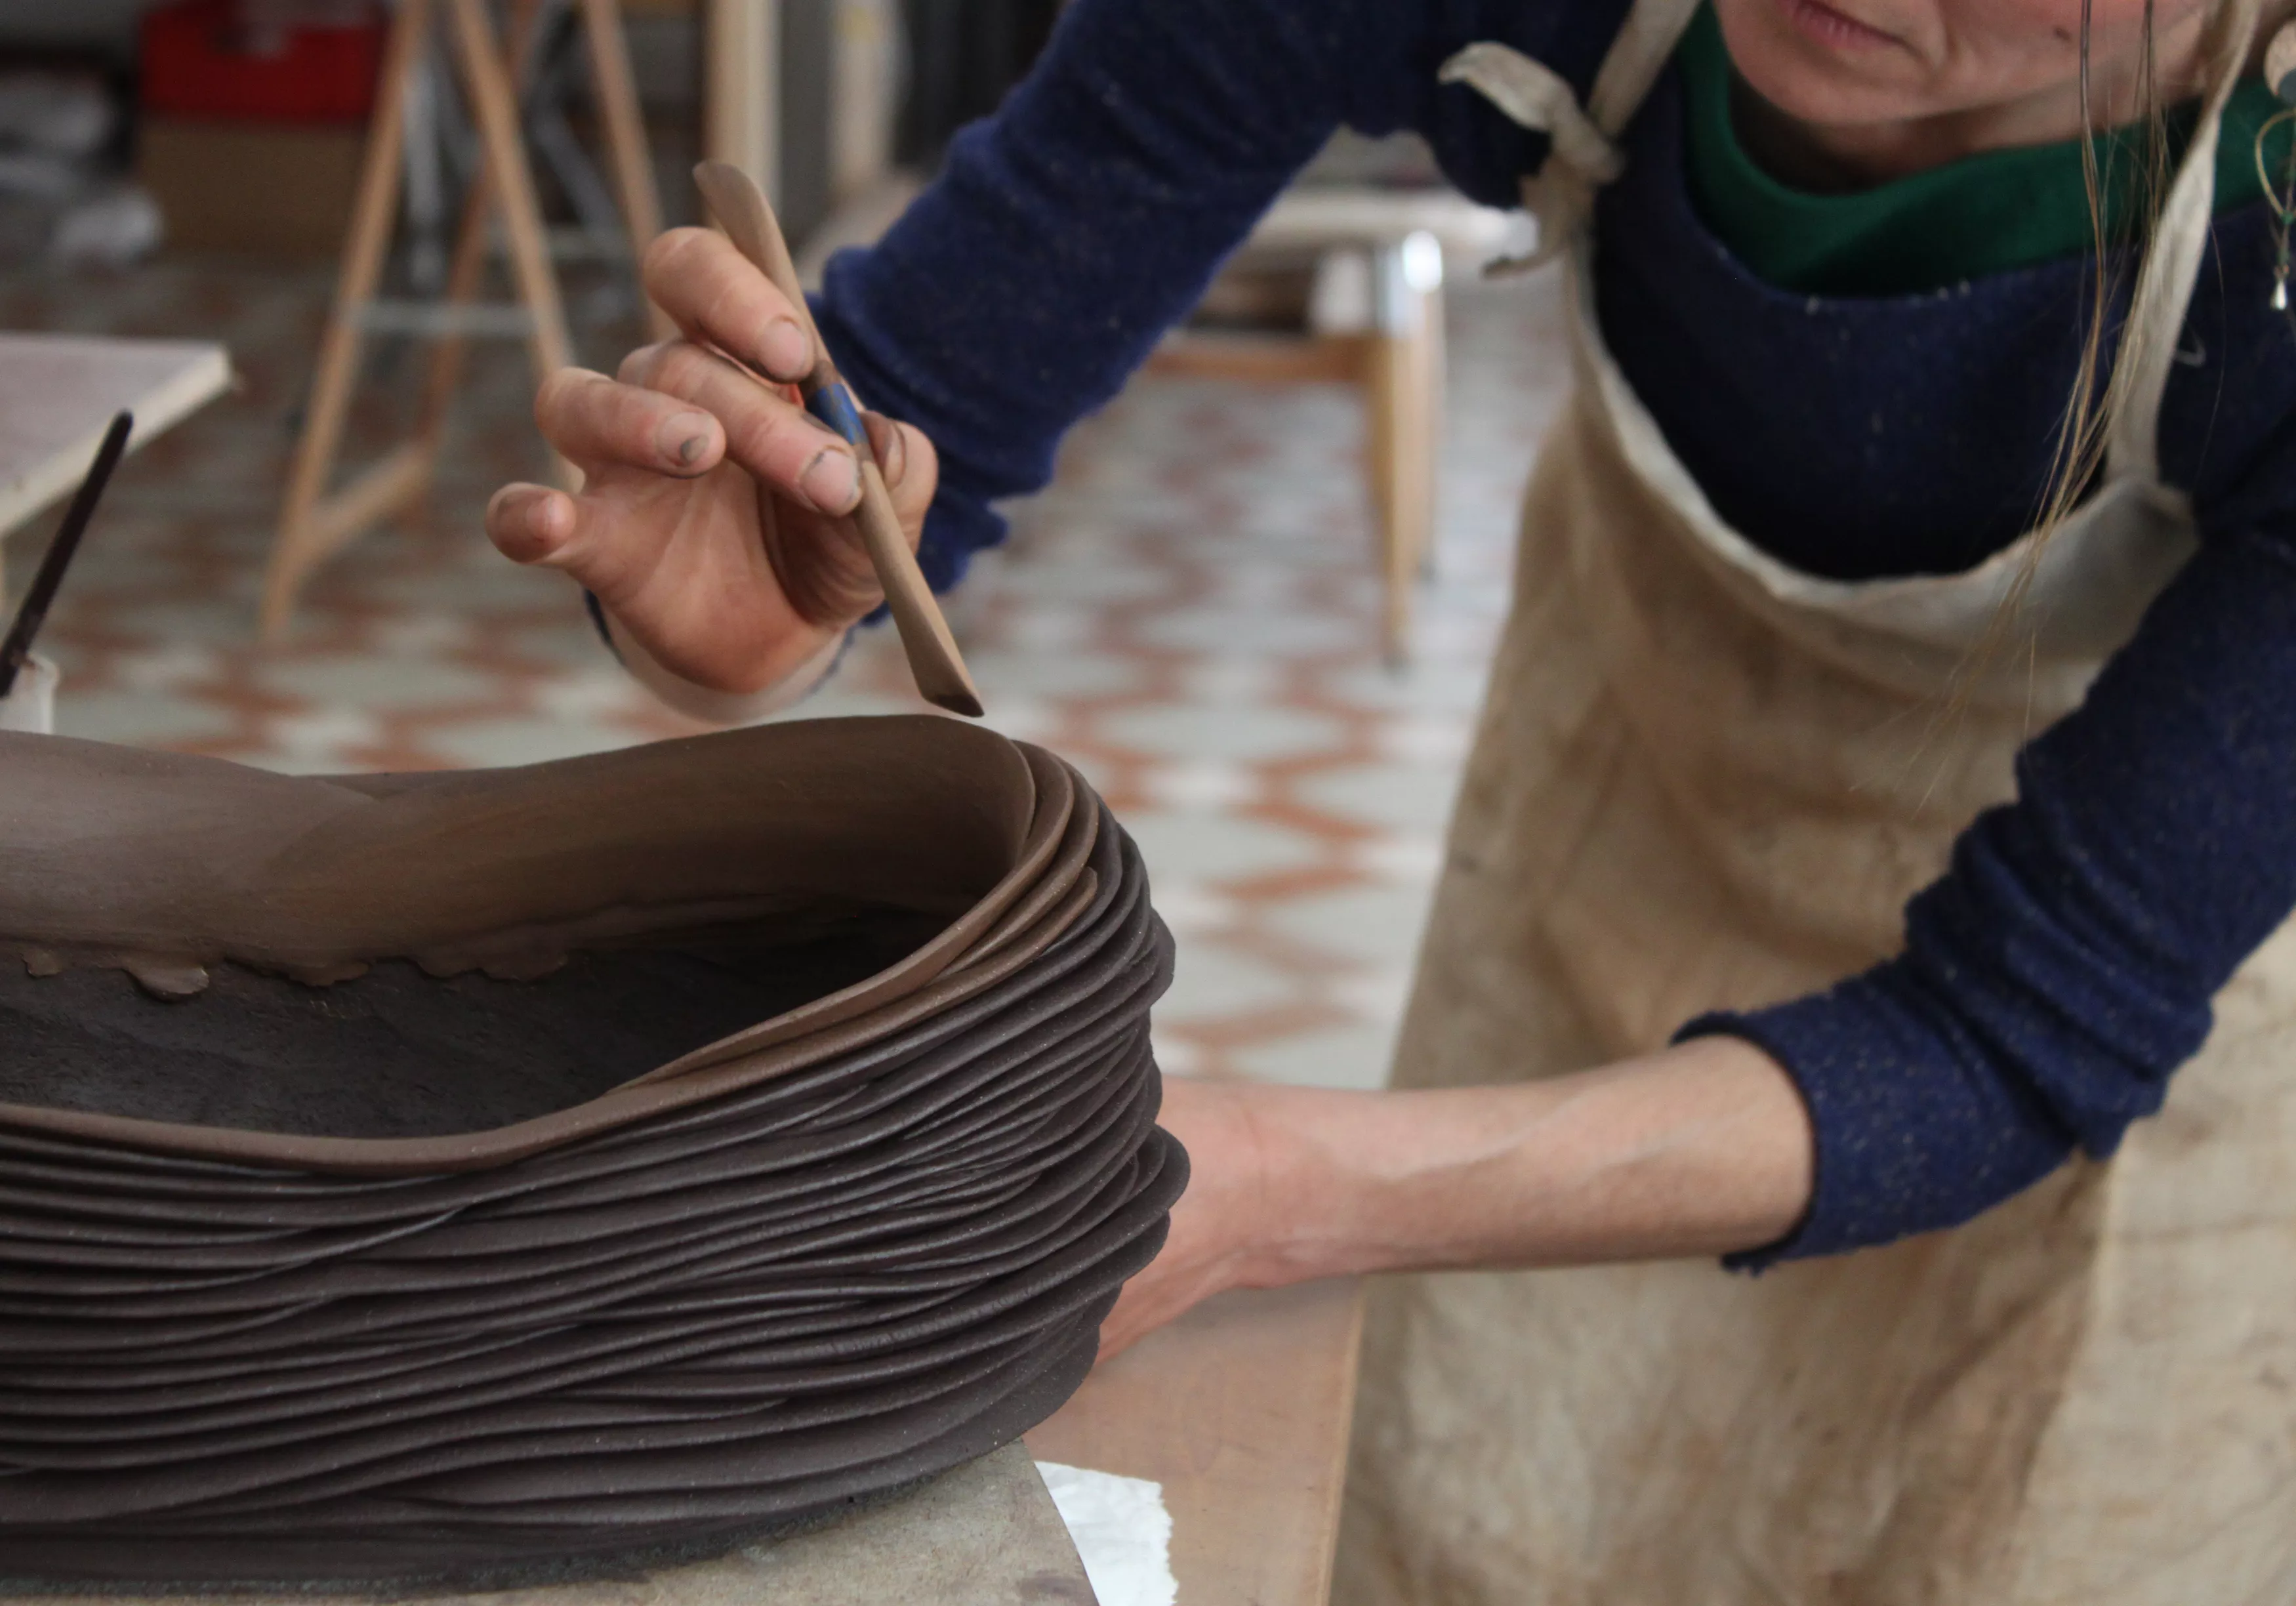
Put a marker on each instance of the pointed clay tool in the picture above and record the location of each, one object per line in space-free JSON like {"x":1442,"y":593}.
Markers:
{"x":741,"y":207}
{"x":42,"y":593}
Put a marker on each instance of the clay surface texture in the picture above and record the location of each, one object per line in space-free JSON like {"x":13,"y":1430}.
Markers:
{"x":511,"y":1176}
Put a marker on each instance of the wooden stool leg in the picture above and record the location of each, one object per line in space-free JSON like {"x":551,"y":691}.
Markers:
{"x":303,"y":540}
{"x":1431,"y":380}
{"x":626,"y":148}
{"x":1402,"y":406}
{"x":1376,"y":378}
{"x":1390,"y":443}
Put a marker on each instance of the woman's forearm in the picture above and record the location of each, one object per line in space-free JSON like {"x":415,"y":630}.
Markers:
{"x":1703,"y":1149}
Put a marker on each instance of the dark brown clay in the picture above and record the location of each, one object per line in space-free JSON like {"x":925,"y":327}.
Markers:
{"x":508,"y":1175}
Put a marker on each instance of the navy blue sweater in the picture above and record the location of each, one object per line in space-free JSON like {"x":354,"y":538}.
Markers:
{"x":2063,"y":968}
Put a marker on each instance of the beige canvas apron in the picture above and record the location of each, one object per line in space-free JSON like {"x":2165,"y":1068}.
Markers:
{"x":1704,"y":780}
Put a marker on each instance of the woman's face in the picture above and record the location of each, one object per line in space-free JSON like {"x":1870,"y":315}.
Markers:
{"x":2014,"y":64}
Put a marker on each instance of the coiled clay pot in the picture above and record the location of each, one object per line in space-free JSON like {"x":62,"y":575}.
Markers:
{"x":487,"y":1177}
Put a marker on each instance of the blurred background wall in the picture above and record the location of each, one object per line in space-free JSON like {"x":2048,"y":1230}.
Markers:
{"x":870,"y":91}
{"x":100,"y":24}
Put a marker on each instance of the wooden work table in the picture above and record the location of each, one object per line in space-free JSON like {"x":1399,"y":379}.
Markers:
{"x":1241,"y":1410}
{"x":58,"y":393}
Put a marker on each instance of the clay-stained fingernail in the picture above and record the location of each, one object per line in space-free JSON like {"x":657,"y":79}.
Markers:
{"x":682,"y":437}
{"x":831,"y":481}
{"x":783,"y":350}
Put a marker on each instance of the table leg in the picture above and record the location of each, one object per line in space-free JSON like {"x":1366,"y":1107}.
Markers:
{"x":1241,"y":1410}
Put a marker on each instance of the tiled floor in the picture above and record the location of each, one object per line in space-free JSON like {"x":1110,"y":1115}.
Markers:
{"x":1188,"y":615}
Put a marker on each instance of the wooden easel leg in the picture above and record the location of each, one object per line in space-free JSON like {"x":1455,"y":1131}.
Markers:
{"x":741,"y":59}
{"x":467,"y":270}
{"x":313,"y":524}
{"x":303,"y":541}
{"x":496,"y":108}
{"x":626,"y":147}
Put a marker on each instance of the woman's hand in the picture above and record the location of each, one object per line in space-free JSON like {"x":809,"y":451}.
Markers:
{"x":1225,"y":1213}
{"x":1703,"y":1149}
{"x":709,"y":524}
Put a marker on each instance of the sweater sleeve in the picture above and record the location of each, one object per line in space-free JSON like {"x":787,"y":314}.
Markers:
{"x":2065,"y":965}
{"x":1067,"y":232}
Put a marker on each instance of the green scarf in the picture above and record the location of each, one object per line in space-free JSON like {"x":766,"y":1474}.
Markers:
{"x":1985,"y":214}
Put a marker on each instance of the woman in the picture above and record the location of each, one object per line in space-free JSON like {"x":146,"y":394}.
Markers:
{"x":1914,"y":762}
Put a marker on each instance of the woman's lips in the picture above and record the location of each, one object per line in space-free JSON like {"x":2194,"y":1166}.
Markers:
{"x":1837,"y":30}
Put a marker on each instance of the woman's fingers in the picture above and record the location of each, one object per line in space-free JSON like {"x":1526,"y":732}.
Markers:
{"x":776,"y":440}
{"x":822,"y":565}
{"x":718,"y":298}
{"x":594,"y":421}
{"x":593,"y":536}
{"x":911,"y":467}
{"x":679,"y":410}
{"x":532,"y":523}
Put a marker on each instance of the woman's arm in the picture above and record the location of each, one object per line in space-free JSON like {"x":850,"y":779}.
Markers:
{"x":2067,"y":964}
{"x":2051,"y":983}
{"x":1704,"y":1149}
{"x":1069,"y":231}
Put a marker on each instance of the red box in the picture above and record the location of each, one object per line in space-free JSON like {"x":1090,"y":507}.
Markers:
{"x":260,"y":61}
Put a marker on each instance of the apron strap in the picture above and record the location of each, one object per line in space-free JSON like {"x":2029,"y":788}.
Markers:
{"x":1585,"y":155}
{"x":2172,"y":267}
{"x":1534,"y":95}
{"x":1640,"y":52}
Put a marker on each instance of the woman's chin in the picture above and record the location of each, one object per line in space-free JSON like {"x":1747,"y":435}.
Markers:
{"x":1827,"y":71}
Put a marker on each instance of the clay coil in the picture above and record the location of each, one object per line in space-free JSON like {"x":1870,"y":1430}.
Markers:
{"x":349,"y":1338}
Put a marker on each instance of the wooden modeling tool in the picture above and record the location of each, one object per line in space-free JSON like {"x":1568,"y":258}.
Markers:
{"x":742,"y":209}
{"x":33,"y":612}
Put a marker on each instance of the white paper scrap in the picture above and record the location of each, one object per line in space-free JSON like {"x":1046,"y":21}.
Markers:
{"x":1122,"y":1531}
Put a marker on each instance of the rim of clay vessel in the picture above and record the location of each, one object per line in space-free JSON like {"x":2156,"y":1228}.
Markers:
{"x":201,"y":861}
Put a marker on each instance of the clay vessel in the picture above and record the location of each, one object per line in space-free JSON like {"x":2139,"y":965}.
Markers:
{"x":494,"y":1177}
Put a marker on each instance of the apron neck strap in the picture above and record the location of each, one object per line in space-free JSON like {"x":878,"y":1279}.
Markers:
{"x":1536,"y":96}
{"x":1640,"y":52}
{"x":1584,"y":154}
{"x":2172,"y":264}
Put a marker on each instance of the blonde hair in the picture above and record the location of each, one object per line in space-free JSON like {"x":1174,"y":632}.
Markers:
{"x":2102,"y":382}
